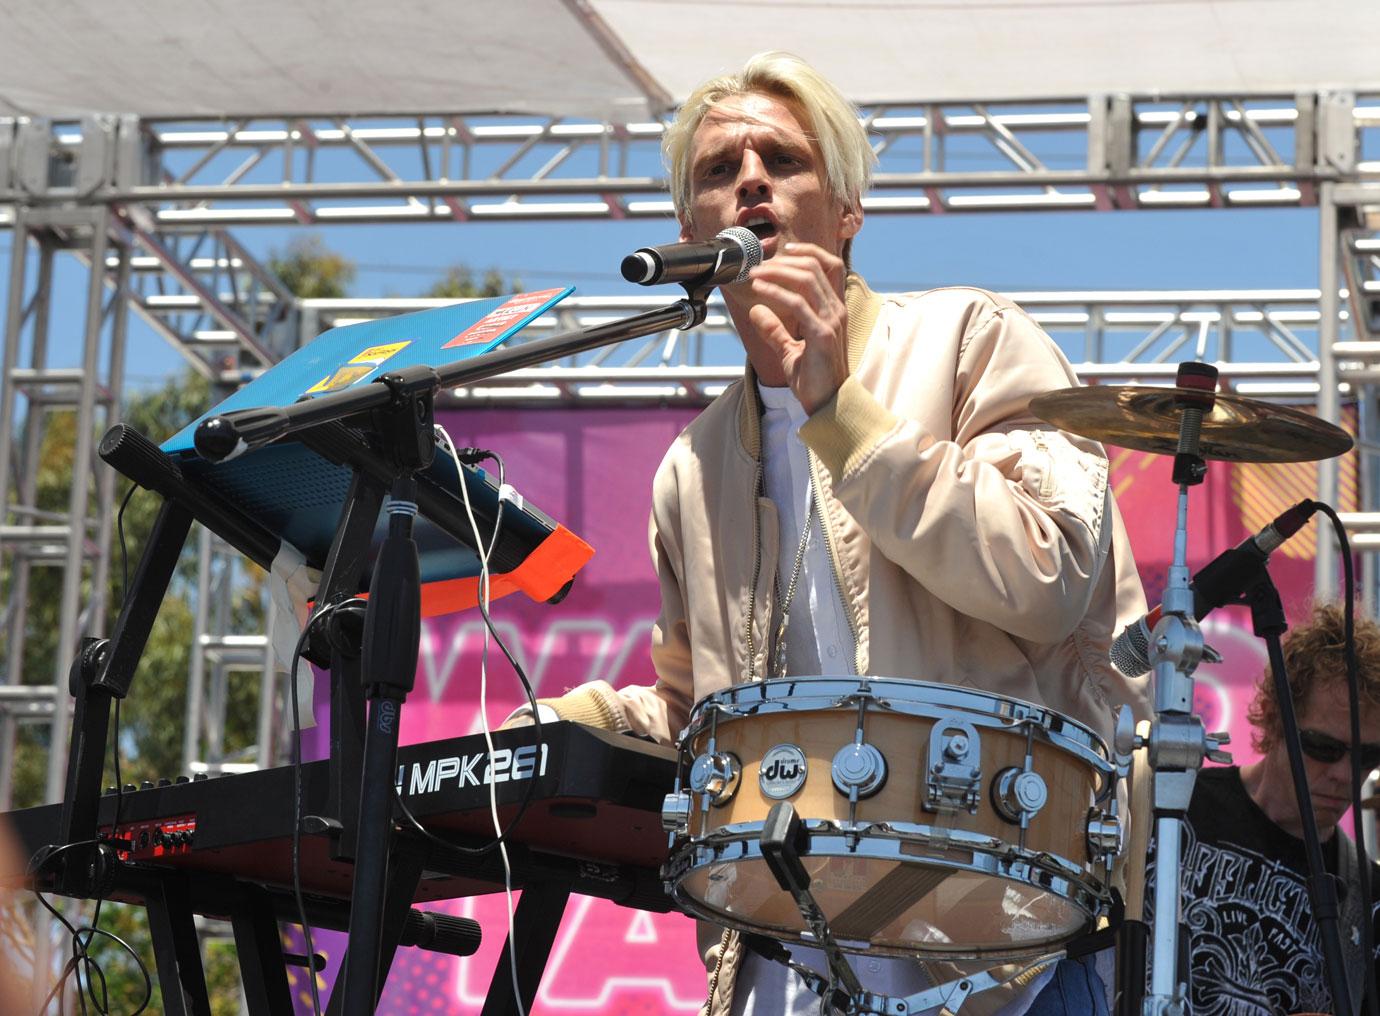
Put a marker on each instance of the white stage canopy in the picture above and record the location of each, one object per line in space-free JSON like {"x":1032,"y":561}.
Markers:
{"x":624,"y":60}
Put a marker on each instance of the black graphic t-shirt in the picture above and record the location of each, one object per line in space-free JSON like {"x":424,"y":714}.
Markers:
{"x":1254,"y":949}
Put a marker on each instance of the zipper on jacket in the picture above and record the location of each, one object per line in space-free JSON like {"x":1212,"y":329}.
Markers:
{"x":756,"y":568}
{"x":834,"y":570}
{"x":718,"y":968}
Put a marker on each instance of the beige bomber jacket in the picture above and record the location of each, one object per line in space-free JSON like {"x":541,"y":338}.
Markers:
{"x":972,"y":544}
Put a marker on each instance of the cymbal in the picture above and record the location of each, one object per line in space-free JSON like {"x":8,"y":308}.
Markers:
{"x":1237,"y":429}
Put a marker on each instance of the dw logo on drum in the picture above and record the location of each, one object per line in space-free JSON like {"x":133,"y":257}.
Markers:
{"x":783,"y":771}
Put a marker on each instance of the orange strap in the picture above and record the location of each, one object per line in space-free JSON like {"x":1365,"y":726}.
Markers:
{"x":541,"y":575}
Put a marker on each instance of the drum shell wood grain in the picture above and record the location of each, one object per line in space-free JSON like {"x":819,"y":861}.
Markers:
{"x":1058,"y":828}
{"x":903,"y":886}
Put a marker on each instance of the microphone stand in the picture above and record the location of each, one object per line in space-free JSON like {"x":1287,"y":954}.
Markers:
{"x":1267,"y":618}
{"x":392,"y":633}
{"x":224,"y":437}
{"x":397,"y":414}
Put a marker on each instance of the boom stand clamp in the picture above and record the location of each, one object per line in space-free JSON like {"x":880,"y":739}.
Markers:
{"x":1178,"y":743}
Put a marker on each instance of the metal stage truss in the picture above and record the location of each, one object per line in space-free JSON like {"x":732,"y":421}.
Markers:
{"x":150,"y":204}
{"x":1103,"y":152}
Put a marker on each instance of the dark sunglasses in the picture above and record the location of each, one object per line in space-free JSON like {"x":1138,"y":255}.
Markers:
{"x":1327,"y":749}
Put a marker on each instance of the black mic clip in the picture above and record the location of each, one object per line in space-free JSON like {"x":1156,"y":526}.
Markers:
{"x":1229,"y":577}
{"x":696,"y":302}
{"x":404,"y":427}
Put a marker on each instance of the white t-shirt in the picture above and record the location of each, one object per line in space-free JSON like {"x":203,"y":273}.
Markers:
{"x":818,"y":639}
{"x":818,"y":642}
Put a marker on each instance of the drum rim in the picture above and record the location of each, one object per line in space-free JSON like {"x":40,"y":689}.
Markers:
{"x":692,"y":856}
{"x":1073,"y":736}
{"x":849,"y":833}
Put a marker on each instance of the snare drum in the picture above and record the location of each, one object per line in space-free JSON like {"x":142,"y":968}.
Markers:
{"x":942,"y":821}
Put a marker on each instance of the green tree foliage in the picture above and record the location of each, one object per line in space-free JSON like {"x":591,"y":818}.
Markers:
{"x":309,"y":269}
{"x":459,"y":283}
{"x":152,"y":717}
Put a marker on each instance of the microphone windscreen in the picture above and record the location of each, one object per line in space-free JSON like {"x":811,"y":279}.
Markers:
{"x":751,"y":244}
{"x":1131,"y":650}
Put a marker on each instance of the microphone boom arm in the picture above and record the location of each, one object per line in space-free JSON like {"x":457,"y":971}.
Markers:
{"x":227,"y":436}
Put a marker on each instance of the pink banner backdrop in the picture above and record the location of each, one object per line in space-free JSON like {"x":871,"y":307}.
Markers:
{"x":591,"y":469}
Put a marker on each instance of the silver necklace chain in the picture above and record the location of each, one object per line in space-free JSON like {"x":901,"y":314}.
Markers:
{"x":778,"y":656}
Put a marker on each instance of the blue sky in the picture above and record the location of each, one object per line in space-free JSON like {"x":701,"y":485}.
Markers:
{"x":1154,"y":249}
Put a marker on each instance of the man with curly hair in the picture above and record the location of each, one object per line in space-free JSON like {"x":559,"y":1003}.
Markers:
{"x":1254,"y":946}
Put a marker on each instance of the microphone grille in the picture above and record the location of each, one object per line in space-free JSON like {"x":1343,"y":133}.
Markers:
{"x":751,"y":244}
{"x":1131,"y":650}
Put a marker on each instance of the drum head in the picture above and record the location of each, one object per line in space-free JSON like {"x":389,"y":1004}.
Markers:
{"x":898,"y":907}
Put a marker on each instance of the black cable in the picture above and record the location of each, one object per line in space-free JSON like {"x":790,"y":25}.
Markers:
{"x":1353,"y":688}
{"x":80,"y":948}
{"x":471,"y":456}
{"x":316,"y":619}
{"x":70,"y":965}
{"x":124,"y":592}
{"x":81,"y":960}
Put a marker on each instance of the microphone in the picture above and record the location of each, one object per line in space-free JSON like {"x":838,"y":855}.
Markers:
{"x":1218,"y":583}
{"x":726,"y":258}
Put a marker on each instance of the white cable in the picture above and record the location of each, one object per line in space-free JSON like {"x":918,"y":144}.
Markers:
{"x":484,"y":553}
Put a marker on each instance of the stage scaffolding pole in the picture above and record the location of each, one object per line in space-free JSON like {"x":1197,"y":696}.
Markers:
{"x":1325,"y":569}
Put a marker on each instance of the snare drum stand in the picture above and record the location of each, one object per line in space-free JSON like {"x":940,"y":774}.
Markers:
{"x":784,"y":838}
{"x":1178,"y":744}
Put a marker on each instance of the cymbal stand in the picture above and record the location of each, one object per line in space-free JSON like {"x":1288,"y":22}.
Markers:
{"x":1178,"y":744}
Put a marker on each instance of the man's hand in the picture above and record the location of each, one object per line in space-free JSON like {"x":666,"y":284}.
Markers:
{"x":521,"y":718}
{"x":800,"y":314}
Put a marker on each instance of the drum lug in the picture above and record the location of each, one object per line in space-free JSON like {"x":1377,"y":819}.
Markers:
{"x":860,"y":767}
{"x":953,"y":770}
{"x":715,"y":774}
{"x":1018,"y":794}
{"x":675,"y":813}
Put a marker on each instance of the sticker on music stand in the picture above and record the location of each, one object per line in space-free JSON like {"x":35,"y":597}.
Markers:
{"x":359,"y":366}
{"x":501,"y":318}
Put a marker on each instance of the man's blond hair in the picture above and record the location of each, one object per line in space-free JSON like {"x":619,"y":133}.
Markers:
{"x":832,"y":122}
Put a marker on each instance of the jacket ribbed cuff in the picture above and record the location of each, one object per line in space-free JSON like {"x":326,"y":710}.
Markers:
{"x":847,"y":428}
{"x":594,"y":704}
